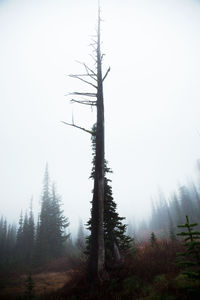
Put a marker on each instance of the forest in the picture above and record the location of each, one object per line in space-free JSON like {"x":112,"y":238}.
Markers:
{"x":111,"y":256}
{"x":41,"y":260}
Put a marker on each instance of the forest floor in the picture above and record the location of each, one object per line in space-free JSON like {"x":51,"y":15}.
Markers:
{"x":44,"y":283}
{"x":46,"y":279}
{"x":148,"y":273}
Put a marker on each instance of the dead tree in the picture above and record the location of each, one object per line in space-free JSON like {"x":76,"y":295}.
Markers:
{"x":95,"y":79}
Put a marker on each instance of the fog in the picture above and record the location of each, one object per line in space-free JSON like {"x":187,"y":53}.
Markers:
{"x":151,"y":100}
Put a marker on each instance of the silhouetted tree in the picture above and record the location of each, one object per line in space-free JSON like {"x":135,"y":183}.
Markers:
{"x":96,"y":261}
{"x":115,"y":238}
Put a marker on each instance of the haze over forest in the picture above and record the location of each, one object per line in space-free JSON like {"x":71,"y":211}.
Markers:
{"x":151,"y":101}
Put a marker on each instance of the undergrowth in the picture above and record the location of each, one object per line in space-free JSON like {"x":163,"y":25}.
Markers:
{"x":149,"y":272}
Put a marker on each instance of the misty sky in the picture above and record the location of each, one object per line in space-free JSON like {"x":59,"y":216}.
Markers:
{"x":152,"y":100}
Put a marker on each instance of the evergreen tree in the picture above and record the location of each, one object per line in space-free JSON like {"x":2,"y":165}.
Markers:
{"x":115,"y":238}
{"x":31,"y":234}
{"x":19,"y":241}
{"x":190,"y":259}
{"x":43,"y":246}
{"x":51,"y":225}
{"x":58,"y":223}
{"x":25,"y":238}
{"x":10,"y":243}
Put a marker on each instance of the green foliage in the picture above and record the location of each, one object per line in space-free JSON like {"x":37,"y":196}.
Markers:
{"x":190,"y":258}
{"x":115,"y":236}
{"x":188,"y":286}
{"x":131,"y":285}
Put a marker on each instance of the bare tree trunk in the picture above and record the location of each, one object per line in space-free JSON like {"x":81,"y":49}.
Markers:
{"x":97,"y":250}
{"x":96,"y":263}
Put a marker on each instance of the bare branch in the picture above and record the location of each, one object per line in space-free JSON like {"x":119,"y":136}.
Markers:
{"x":89,"y":70}
{"x":77,"y":77}
{"x":83,"y":94}
{"x":106,"y":74}
{"x":81,"y":128}
{"x":102,"y":56}
{"x":81,"y":75}
{"x":85,"y":102}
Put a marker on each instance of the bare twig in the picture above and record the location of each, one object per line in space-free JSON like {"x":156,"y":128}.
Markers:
{"x":83,"y":94}
{"x":102,"y":56}
{"x":85,"y":102}
{"x":89,"y":70}
{"x":82,"y":75}
{"x":81,"y":128}
{"x":106,"y":74}
{"x":77,"y":77}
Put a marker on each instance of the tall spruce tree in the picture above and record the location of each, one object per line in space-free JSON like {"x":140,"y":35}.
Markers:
{"x":43,"y":246}
{"x":51,"y":225}
{"x":115,"y":238}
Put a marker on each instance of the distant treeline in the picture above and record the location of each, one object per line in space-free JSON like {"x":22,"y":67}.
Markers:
{"x":167,"y":214}
{"x":35,"y":244}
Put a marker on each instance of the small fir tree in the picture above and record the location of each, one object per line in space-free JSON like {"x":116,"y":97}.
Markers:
{"x":190,"y":258}
{"x":29,"y":285}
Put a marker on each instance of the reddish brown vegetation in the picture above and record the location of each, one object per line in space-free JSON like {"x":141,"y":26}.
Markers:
{"x":148,"y":273}
{"x":150,"y":261}
{"x":140,"y":268}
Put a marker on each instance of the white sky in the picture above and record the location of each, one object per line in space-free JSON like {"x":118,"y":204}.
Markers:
{"x":152,"y":105}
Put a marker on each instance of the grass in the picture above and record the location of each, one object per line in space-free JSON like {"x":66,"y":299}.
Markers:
{"x":148,"y":273}
{"x":43,"y":283}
